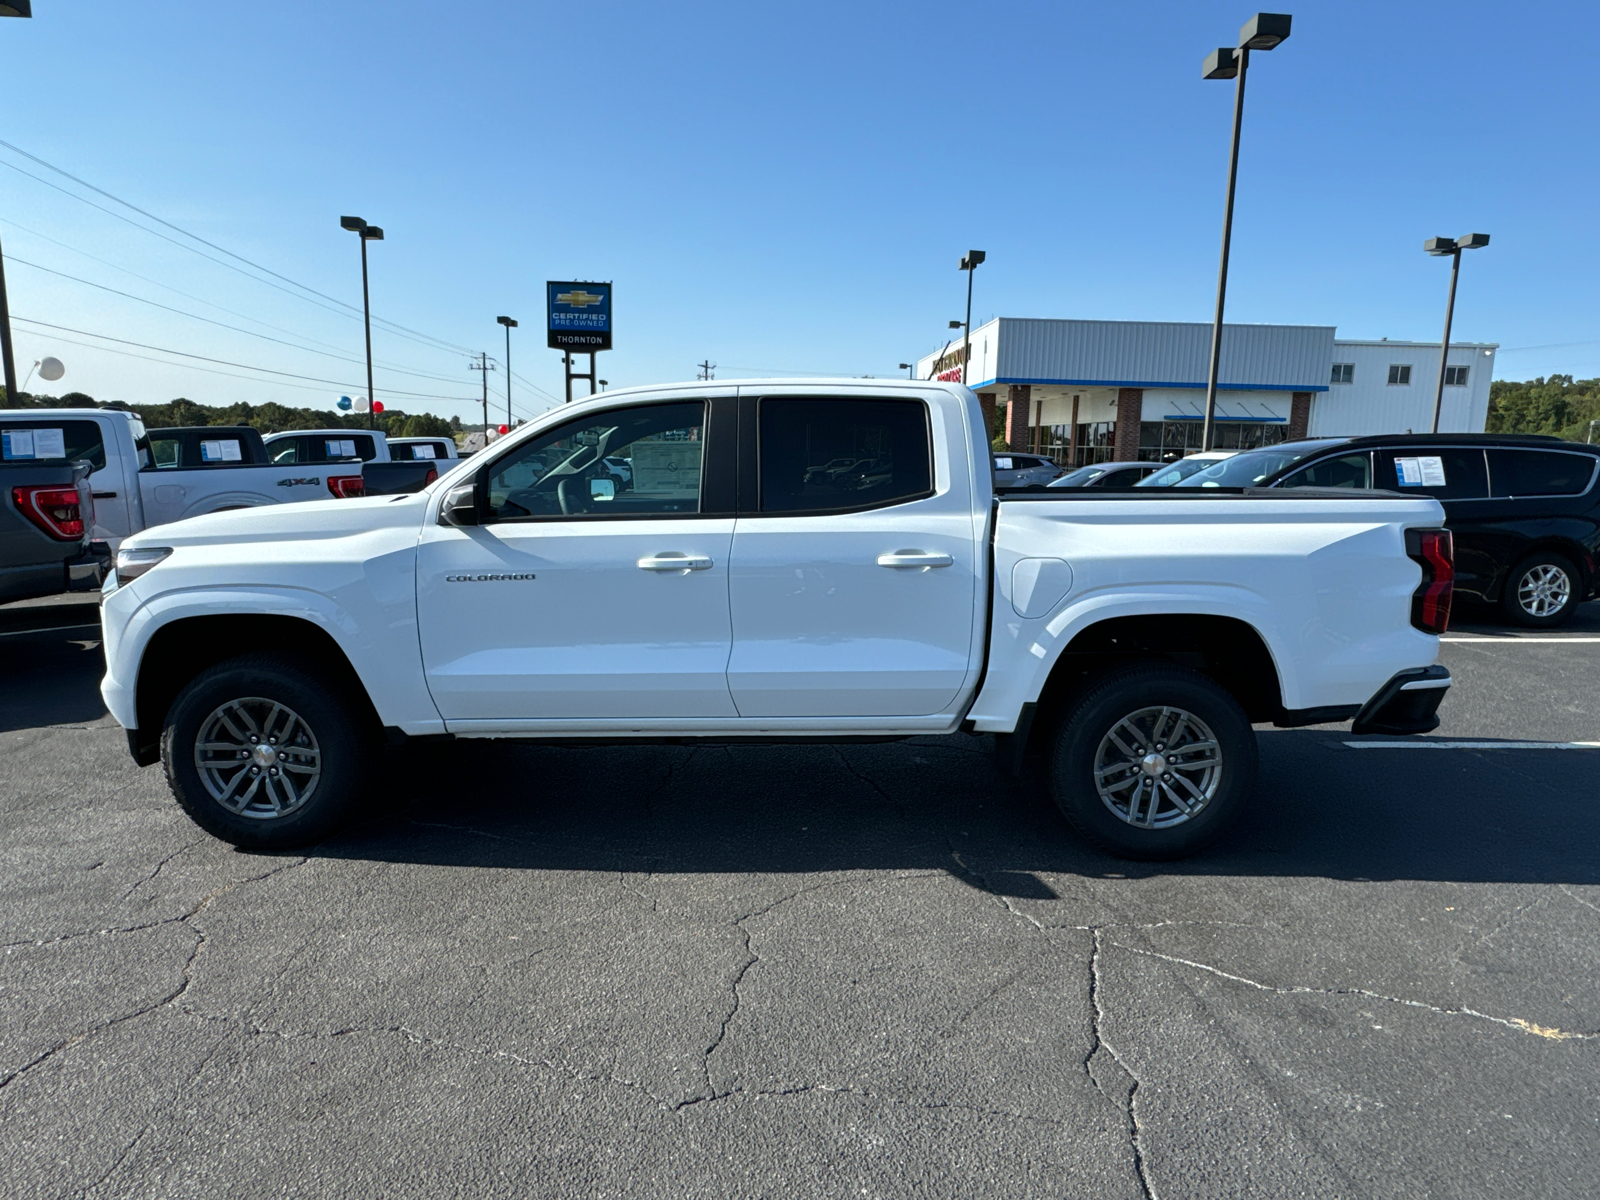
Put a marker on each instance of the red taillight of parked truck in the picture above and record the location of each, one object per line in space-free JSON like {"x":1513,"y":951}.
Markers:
{"x":57,"y":510}
{"x":346,"y":487}
{"x":433,"y":473}
{"x":1434,"y":551}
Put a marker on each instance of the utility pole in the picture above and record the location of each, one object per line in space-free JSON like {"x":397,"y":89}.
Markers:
{"x":485,"y":366}
{"x":706,"y":369}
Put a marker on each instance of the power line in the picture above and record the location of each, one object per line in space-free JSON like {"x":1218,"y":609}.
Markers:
{"x":388,"y":366}
{"x":219,"y":324}
{"x":226,"y":363}
{"x":344,"y":309}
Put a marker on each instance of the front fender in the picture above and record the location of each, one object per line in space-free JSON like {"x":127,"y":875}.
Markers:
{"x":391,"y":675}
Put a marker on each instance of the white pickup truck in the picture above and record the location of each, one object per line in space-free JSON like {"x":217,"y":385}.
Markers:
{"x":746,"y":585}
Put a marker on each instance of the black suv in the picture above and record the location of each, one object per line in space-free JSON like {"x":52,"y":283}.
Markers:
{"x":1524,"y":510}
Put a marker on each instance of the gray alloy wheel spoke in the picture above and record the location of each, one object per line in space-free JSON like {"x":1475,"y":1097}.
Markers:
{"x":245,"y":752}
{"x":1544,"y":591}
{"x":1152,"y":788}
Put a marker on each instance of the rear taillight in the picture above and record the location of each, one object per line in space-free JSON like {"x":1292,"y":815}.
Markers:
{"x":58,"y":511}
{"x":433,"y":473}
{"x":344,"y":487}
{"x":1434,"y":550}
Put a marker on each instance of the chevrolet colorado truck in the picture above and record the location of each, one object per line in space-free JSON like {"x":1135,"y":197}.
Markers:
{"x":1125,"y":641}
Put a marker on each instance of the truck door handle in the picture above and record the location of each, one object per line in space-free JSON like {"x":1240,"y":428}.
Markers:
{"x":104,"y":495}
{"x":673,"y":560}
{"x":914,"y":558}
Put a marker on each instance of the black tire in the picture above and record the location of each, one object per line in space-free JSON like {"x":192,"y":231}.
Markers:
{"x":1527,"y":597}
{"x":328,"y":738}
{"x":1137,"y":693}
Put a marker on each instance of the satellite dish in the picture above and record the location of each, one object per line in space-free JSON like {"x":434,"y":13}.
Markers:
{"x":51,"y":369}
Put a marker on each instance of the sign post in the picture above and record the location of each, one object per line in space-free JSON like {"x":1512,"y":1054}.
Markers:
{"x":579,"y":322}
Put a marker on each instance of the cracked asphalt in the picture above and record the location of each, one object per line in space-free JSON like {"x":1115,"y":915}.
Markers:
{"x":868,"y":970}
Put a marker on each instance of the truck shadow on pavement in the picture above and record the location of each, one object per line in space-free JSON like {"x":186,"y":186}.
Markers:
{"x":50,"y":678}
{"x":1323,"y":809}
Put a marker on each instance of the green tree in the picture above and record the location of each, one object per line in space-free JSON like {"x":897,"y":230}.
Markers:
{"x":426,"y":425}
{"x":1554,"y":404}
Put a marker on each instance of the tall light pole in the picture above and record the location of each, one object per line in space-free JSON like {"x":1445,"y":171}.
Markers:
{"x":969,"y":264}
{"x":367,"y":233}
{"x":9,"y":8}
{"x":1439,"y":247}
{"x":1264,"y":31}
{"x":510,"y":325}
{"x":908,"y":369}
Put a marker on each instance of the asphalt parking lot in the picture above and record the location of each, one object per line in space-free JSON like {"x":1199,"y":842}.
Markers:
{"x":876,"y":970}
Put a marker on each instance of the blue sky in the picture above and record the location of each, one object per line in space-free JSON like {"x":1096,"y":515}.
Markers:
{"x":782,"y":188}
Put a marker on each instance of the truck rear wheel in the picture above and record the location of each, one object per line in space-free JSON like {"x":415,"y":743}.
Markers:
{"x":1153,"y":762}
{"x":260,"y":752}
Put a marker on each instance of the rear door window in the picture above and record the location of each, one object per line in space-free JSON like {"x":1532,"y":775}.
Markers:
{"x":52,"y":441}
{"x":826,"y":455}
{"x":1346,"y":471}
{"x":287,"y":450}
{"x":1540,"y":472}
{"x":1443,"y":472}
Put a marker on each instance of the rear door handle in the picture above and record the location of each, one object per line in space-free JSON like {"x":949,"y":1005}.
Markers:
{"x":914,"y":558}
{"x":673,"y":560}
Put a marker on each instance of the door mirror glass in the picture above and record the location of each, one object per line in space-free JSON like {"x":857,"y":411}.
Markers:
{"x":602,"y":489}
{"x":460,"y":507}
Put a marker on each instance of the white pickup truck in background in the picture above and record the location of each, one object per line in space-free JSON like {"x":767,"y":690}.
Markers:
{"x":745,"y":584}
{"x":131,"y":491}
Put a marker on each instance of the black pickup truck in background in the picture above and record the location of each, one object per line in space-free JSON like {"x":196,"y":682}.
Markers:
{"x":45,"y":529}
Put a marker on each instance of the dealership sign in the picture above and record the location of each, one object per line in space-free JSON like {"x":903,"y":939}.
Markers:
{"x":580,"y":316}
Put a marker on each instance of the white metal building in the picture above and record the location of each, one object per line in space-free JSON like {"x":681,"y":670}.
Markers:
{"x":1087,"y":391}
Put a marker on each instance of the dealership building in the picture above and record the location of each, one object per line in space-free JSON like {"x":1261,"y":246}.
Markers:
{"x":1099,"y":391}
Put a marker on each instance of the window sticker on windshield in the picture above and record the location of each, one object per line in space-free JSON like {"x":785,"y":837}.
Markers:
{"x":16,"y":443}
{"x":341,"y":447}
{"x":49,"y":443}
{"x":221,"y":450}
{"x":1427,"y":471}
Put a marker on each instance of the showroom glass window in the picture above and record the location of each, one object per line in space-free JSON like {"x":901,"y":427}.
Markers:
{"x":826,"y":455}
{"x":642,"y":461}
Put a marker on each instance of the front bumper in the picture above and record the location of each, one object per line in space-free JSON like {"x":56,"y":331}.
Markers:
{"x":1408,"y":703}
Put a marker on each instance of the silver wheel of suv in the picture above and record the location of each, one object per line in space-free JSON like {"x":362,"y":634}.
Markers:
{"x":1158,"y":767}
{"x":1544,"y":590}
{"x":257,"y":758}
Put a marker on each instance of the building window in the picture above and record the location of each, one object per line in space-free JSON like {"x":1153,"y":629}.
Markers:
{"x":1455,"y":377}
{"x":1400,"y":374}
{"x":1344,"y":372}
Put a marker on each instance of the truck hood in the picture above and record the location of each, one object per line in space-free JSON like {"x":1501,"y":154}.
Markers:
{"x":308,"y":520}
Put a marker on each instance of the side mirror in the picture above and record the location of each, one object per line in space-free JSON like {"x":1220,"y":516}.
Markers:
{"x":460,"y":506}
{"x":602,"y":489}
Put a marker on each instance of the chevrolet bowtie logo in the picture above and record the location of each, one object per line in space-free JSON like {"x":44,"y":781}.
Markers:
{"x":578,"y":299}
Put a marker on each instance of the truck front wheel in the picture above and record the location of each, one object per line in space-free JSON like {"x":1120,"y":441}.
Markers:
{"x":260,"y":752}
{"x":1153,"y":762}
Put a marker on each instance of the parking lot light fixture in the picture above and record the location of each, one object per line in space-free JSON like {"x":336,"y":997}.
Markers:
{"x":510,"y":325}
{"x":969,"y":264}
{"x":9,"y":8}
{"x":1264,"y":31}
{"x":367,"y":233}
{"x":1439,"y":247}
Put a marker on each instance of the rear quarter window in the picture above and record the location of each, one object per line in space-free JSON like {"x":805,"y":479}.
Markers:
{"x":828,"y":455}
{"x":1539,"y":472}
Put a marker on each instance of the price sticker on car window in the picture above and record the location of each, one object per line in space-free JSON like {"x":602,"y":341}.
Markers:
{"x":341,"y":447}
{"x":16,"y":443}
{"x":220,"y":450}
{"x":1424,"y":471}
{"x":1002,"y":464}
{"x":49,"y":443}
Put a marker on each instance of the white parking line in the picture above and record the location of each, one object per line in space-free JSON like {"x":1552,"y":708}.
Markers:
{"x":1417,"y":745}
{"x":1515,"y":638}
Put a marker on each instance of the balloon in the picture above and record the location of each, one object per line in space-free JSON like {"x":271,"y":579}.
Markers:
{"x":377,"y":406}
{"x":505,"y":429}
{"x":361,"y":404}
{"x":344,"y":403}
{"x":51,"y":369}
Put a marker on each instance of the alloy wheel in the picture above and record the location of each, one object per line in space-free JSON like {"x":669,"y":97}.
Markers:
{"x":1158,"y":767}
{"x":258,"y":758}
{"x":1544,"y":590}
